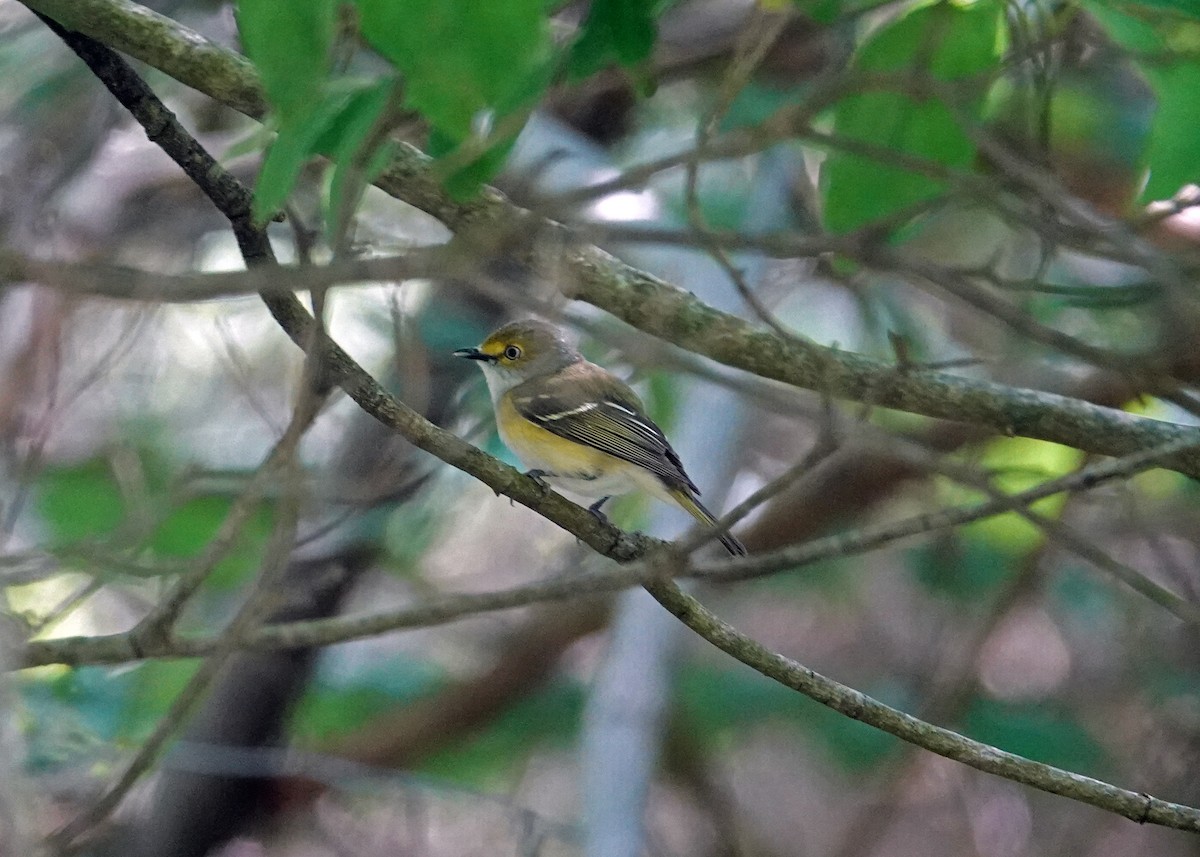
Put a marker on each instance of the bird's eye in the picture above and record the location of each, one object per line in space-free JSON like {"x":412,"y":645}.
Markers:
{"x":512,"y":352}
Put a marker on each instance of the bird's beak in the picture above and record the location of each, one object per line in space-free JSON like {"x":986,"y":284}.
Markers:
{"x":474,"y":354}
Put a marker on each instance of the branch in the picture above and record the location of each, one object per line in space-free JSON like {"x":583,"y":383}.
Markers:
{"x":126,"y":647}
{"x":337,"y":367}
{"x":658,"y":308}
{"x":869,"y":538}
{"x":667,"y":312}
{"x":126,"y":283}
{"x":164,"y":44}
{"x":1139,"y":807}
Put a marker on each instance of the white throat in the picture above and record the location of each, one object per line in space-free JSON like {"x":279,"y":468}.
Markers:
{"x":499,"y":379}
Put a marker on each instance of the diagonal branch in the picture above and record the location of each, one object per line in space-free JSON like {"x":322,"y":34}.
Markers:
{"x":1139,"y":807}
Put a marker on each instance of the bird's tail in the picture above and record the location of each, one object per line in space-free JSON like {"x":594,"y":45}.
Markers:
{"x":696,"y":509}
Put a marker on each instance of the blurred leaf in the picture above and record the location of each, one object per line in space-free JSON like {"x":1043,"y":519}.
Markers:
{"x":1172,"y":67}
{"x":329,"y":710}
{"x":550,"y":716}
{"x":1018,"y":464}
{"x":614,"y":30}
{"x":717,"y":701}
{"x":858,"y":748}
{"x":960,"y":567}
{"x":326,"y":713}
{"x":464,"y":181}
{"x":79,"y":502}
{"x":945,"y":40}
{"x":189,"y":529}
{"x":1173,"y":159}
{"x":150,"y":687}
{"x":410,"y":530}
{"x":1083,"y":596}
{"x":829,"y":11}
{"x":754,"y":104}
{"x":1187,"y":8}
{"x":821,"y":11}
{"x":289,"y":42}
{"x":72,"y":715}
{"x":291,"y":45}
{"x":349,"y":136}
{"x":1034,"y":731}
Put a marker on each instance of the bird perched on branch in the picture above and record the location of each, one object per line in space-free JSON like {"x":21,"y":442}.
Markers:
{"x":578,"y":426}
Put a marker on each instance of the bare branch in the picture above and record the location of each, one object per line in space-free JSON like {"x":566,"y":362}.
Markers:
{"x":122,"y":648}
{"x":1142,"y":808}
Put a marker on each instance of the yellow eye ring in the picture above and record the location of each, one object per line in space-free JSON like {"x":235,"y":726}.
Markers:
{"x":512,"y":352}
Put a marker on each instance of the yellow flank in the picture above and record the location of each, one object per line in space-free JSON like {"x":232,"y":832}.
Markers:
{"x":544,"y":450}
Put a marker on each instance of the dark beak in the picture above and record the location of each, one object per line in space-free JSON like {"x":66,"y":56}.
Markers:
{"x":474,"y":354}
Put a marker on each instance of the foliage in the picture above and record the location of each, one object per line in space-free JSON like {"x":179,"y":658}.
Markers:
{"x":911,"y":123}
{"x":473,"y":73}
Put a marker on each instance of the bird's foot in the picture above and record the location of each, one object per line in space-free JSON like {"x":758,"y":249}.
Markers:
{"x":539,"y":476}
{"x":596,"y":513}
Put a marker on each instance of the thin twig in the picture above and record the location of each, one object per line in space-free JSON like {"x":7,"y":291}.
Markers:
{"x":120,"y":648}
{"x":868,"y":538}
{"x":249,"y":615}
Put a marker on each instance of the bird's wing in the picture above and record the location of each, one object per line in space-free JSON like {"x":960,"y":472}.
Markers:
{"x":607,"y":416}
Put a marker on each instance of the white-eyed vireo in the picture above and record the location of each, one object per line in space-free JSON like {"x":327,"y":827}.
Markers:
{"x":576,"y":425}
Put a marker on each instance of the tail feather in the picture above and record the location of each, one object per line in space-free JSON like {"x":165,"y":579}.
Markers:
{"x":696,"y":509}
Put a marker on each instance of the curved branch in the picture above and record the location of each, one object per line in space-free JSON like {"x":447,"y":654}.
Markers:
{"x":165,"y":44}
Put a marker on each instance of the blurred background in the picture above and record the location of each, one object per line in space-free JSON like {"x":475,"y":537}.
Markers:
{"x":129,"y":431}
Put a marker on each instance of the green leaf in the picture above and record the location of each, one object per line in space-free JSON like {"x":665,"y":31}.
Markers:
{"x":467,"y":67}
{"x":1172,"y":67}
{"x":300,"y":137}
{"x":1183,"y":8}
{"x":821,"y":11}
{"x":289,"y":42}
{"x":464,"y":182}
{"x":151,"y":687}
{"x":853,"y":744}
{"x":717,"y":703}
{"x":355,"y":167}
{"x":79,"y":502}
{"x":461,"y":59}
{"x":614,"y":30}
{"x":947,"y":41}
{"x":329,"y":709}
{"x":188,"y":531}
{"x":1036,"y":732}
{"x":548,"y":717}
{"x":1173,"y":159}
{"x":962,"y":568}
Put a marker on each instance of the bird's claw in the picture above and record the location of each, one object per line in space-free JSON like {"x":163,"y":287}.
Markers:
{"x":596,"y":513}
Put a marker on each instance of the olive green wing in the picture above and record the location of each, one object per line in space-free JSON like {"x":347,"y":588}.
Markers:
{"x":605,"y":415}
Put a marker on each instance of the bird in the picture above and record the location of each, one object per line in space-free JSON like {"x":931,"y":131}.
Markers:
{"x":577,"y":426}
